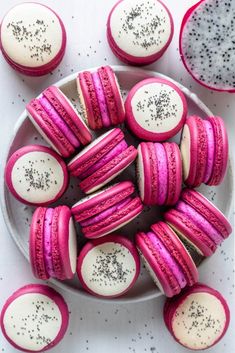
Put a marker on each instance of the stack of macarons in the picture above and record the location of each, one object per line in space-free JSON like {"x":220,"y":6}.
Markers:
{"x":204,"y":148}
{"x":159,"y":173}
{"x":53,"y":243}
{"x":107,"y":210}
{"x":166,"y":258}
{"x":55,"y":118}
{"x":102,"y":160}
{"x":100,"y":98}
{"x":198,"y":222}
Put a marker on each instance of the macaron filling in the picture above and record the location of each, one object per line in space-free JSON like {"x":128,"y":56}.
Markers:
{"x":59,"y":122}
{"x":101,"y":99}
{"x":47,"y":242}
{"x":168,"y":259}
{"x":108,"y":212}
{"x":200,"y":221}
{"x":119,"y":148}
{"x":162,"y":166}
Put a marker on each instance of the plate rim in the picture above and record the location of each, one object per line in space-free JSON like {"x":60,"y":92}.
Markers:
{"x":3,"y":189}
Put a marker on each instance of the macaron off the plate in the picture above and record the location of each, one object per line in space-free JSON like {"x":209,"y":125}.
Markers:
{"x":102,"y":160}
{"x":139,"y":31}
{"x":53,"y":243}
{"x":198,"y":318}
{"x":107,"y":210}
{"x":34,"y":318}
{"x":32,"y":38}
{"x":55,"y":118}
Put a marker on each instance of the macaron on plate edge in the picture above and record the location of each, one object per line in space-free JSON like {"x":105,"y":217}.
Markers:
{"x":128,"y":77}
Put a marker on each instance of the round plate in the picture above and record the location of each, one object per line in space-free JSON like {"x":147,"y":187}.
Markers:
{"x":18,"y":216}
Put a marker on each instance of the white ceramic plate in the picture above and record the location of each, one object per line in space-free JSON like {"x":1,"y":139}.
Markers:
{"x":18,"y":216}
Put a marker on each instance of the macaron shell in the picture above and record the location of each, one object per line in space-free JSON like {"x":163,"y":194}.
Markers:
{"x":197,"y":127}
{"x":132,"y":59}
{"x":112,"y":94}
{"x":47,"y":242}
{"x":184,"y":227}
{"x":57,"y":260}
{"x":154,"y":259}
{"x":174,"y":172}
{"x":212,"y":214}
{"x":177,"y":250}
{"x":109,"y":170}
{"x":67,"y":251}
{"x":211,"y":150}
{"x":95,"y":151}
{"x":52,"y":295}
{"x":171,"y":306}
{"x":221,"y":151}
{"x":40,"y":118}
{"x":55,"y":161}
{"x":108,"y":239}
{"x":36,"y":244}
{"x":49,"y":66}
{"x":104,"y":199}
{"x":65,"y":109}
{"x":90,"y":99}
{"x":116,"y":220}
{"x":143,"y":169}
{"x":139,"y":121}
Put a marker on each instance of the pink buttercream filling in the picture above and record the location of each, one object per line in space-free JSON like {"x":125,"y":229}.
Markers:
{"x":170,"y":261}
{"x":106,"y":213}
{"x":200,"y":221}
{"x":47,"y":242}
{"x":119,"y":148}
{"x":211,"y":150}
{"x":101,"y":99}
{"x":59,"y":122}
{"x":162,"y":173}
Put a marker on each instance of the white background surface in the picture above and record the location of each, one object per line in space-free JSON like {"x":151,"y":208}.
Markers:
{"x":96,"y":327}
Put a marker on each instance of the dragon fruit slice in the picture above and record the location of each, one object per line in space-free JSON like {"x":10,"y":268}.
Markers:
{"x":207,"y":43}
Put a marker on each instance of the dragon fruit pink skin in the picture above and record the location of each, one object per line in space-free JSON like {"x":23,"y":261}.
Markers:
{"x":212,"y":62}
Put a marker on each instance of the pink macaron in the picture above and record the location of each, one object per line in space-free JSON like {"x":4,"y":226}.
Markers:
{"x":156,"y":109}
{"x":34,"y":318}
{"x":198,"y":318}
{"x":101,"y":161}
{"x":159,"y":173}
{"x":32,"y":39}
{"x":108,"y":267}
{"x":54,"y":116}
{"x":53,"y":243}
{"x":166,"y":259}
{"x":139,"y":32}
{"x":36,"y":175}
{"x":100,"y":98}
{"x":204,"y":148}
{"x":198,"y":222}
{"x":107,"y":210}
